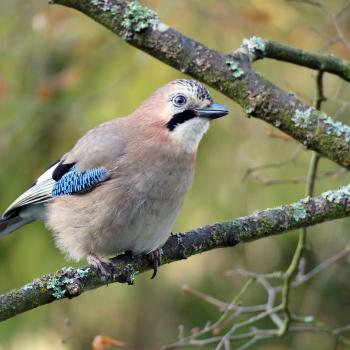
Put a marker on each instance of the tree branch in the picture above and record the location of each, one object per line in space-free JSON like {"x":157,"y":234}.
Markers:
{"x":231,"y":74}
{"x":285,"y":53}
{"x":70,"y":282}
{"x":301,"y":246}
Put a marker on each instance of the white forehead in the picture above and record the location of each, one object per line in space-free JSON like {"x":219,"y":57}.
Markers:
{"x":191,"y":87}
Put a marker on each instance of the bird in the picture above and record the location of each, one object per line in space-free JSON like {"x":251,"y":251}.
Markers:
{"x":120,"y":188}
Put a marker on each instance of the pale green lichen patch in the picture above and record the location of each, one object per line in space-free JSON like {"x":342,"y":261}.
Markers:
{"x":302,"y":118}
{"x":137,"y":18}
{"x":337,"y":128}
{"x":249,"y":110}
{"x":56,"y":286}
{"x":243,"y":229}
{"x":27,"y":287}
{"x":130,"y":273}
{"x":237,"y":72}
{"x":179,"y":237}
{"x":277,"y":123}
{"x":299,"y":212}
{"x":337,"y":196}
{"x":305,"y":200}
{"x":254,"y":47}
{"x":106,"y":6}
{"x":78,"y":273}
{"x":162,"y":27}
{"x":64,"y":280}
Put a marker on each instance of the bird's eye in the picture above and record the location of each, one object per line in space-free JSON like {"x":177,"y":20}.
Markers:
{"x":179,"y":100}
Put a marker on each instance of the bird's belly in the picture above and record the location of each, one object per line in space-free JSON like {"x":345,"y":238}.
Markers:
{"x":145,"y":227}
{"x":139,"y":225}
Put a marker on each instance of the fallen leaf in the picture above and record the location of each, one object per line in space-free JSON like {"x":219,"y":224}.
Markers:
{"x":102,"y":342}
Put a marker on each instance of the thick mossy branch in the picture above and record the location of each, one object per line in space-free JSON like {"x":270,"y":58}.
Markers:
{"x":231,"y":74}
{"x":70,"y":282}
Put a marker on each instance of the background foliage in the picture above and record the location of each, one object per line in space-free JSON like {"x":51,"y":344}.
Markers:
{"x":61,"y":74}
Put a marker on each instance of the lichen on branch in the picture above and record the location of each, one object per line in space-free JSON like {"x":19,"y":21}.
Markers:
{"x":137,"y":18}
{"x":231,"y":74}
{"x":70,"y":282}
{"x":257,"y":48}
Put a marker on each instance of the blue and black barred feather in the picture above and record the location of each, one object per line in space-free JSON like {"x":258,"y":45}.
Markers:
{"x":75,"y":181}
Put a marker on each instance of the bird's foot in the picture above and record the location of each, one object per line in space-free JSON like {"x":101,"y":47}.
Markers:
{"x":155,"y":259}
{"x":105,"y":267}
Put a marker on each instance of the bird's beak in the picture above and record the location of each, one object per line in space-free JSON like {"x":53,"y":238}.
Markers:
{"x":213,"y":111}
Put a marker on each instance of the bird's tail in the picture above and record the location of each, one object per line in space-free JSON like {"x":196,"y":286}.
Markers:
{"x":10,"y":224}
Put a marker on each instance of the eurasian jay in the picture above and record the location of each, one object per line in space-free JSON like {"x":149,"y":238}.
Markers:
{"x":122,"y":185}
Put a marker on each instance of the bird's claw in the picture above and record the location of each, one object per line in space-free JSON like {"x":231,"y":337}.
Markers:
{"x":104,"y":267}
{"x":155,"y":259}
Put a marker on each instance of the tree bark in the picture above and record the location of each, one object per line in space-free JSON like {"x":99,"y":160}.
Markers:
{"x":70,"y":282}
{"x":233,"y":75}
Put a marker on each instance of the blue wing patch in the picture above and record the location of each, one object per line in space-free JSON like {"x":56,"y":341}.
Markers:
{"x":75,"y":181}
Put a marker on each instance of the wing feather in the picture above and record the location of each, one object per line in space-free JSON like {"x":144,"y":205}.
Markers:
{"x":81,"y":169}
{"x":40,"y":192}
{"x":70,"y":183}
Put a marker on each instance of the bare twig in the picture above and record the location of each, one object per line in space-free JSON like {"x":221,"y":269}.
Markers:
{"x":291,"y":158}
{"x":270,"y":309}
{"x":305,"y":277}
{"x":334,"y":18}
{"x":296,"y":180}
{"x":294,"y":264}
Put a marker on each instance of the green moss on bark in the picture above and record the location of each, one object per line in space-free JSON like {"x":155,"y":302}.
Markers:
{"x":137,"y":18}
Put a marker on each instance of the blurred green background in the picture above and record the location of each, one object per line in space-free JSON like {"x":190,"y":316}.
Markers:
{"x":61,"y":74}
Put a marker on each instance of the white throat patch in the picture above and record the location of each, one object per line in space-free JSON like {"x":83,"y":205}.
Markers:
{"x":189,"y":133}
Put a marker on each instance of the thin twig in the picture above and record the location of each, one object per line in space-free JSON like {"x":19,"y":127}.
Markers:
{"x":334,"y":18}
{"x":295,"y":262}
{"x":298,"y":180}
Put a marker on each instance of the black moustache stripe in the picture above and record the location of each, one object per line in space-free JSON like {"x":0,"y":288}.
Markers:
{"x":180,"y":118}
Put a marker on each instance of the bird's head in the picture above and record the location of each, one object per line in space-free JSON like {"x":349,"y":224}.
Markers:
{"x":181,"y":111}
